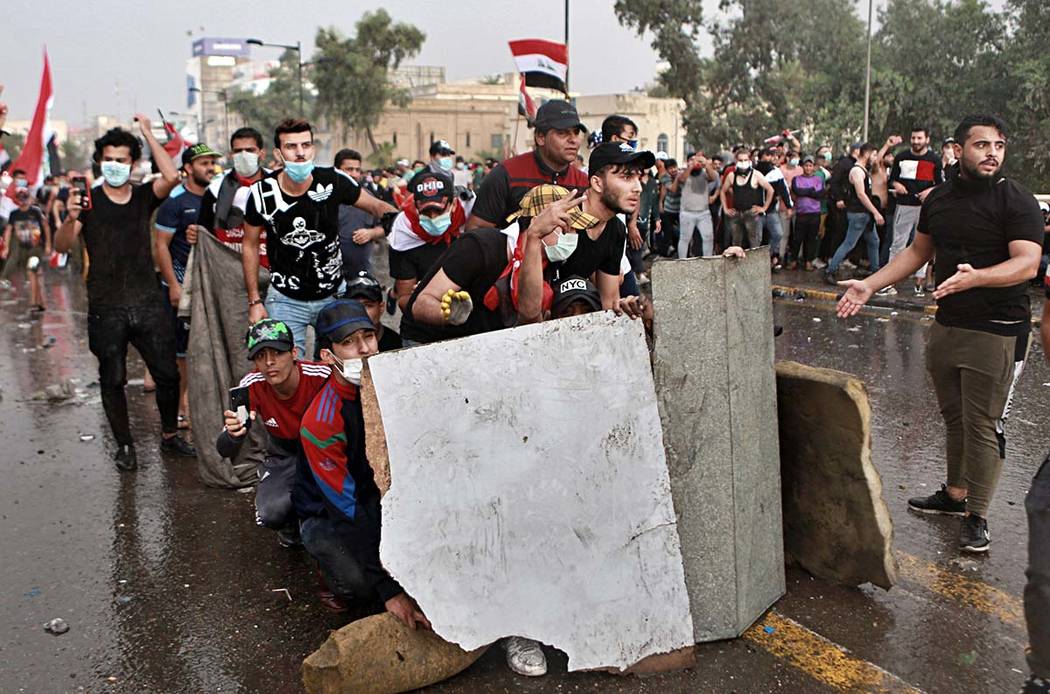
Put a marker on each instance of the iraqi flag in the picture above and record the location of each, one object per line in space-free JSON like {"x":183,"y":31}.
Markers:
{"x":526,"y":106}
{"x":33,"y":158}
{"x":175,"y":143}
{"x":543,"y":64}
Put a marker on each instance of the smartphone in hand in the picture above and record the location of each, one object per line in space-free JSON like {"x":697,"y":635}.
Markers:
{"x":81,"y":188}
{"x":241,"y":405}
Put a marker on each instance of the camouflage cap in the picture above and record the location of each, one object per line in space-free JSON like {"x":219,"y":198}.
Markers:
{"x":268,"y":333}
{"x":542,"y":196}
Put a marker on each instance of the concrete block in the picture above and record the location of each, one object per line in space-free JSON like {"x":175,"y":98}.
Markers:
{"x":529,"y":493}
{"x":375,"y":434}
{"x":380,"y":655}
{"x":836,"y":524}
{"x":716,"y":389}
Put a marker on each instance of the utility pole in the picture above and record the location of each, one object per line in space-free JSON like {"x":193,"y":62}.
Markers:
{"x":867,"y":78}
{"x":566,"y":48}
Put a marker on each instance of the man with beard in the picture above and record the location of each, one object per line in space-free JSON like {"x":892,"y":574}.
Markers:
{"x":914,"y":174}
{"x":986,"y":231}
{"x":860,"y":212}
{"x":557,"y":138}
{"x":171,"y":250}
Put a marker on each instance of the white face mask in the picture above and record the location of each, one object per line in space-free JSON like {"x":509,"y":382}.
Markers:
{"x":564,"y":247}
{"x":351,"y":369}
{"x":743,"y":165}
{"x":246,"y":164}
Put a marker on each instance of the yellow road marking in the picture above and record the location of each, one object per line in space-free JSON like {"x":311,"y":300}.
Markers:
{"x":821,"y":659}
{"x":963,"y":589}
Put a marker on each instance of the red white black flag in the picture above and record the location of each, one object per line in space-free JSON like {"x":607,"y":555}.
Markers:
{"x":526,"y":106}
{"x":543,"y":64}
{"x":33,"y":158}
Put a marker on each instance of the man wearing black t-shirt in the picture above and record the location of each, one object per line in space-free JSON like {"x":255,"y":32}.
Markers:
{"x":557,"y":138}
{"x":125,"y":303}
{"x":986,"y":231}
{"x":299,"y":210}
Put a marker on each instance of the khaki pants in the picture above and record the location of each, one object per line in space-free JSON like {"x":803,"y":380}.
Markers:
{"x":974,"y":373}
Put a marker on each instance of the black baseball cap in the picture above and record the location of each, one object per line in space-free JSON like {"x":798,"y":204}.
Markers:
{"x":268,"y":332}
{"x":441,"y":147}
{"x":431,"y":189}
{"x":363,"y":285}
{"x":619,"y":153}
{"x":341,"y":318}
{"x":557,"y":114}
{"x":572,"y":289}
{"x":197,"y":151}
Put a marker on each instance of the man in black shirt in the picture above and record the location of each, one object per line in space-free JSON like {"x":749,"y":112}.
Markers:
{"x":365,"y":288}
{"x":299,"y":210}
{"x":125,"y":303}
{"x":986,"y":231}
{"x":914,"y":174}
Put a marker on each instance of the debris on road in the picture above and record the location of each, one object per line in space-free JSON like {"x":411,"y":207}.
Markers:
{"x":56,"y":626}
{"x":282,"y":590}
{"x":87,"y":437}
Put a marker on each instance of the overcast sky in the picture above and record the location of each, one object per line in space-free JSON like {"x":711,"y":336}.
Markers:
{"x":112,"y":56}
{"x":109,"y":56}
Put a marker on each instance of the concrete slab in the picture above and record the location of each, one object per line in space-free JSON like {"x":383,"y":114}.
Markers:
{"x":716,"y":390}
{"x":529,"y":492}
{"x":836,"y":523}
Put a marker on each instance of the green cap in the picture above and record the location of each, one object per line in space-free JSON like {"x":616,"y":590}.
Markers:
{"x":269,"y":333}
{"x":198,"y":150}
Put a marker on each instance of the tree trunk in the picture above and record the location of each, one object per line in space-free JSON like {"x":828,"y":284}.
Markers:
{"x":371,"y":139}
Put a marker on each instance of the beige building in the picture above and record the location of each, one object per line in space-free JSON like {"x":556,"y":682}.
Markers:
{"x":480,"y":118}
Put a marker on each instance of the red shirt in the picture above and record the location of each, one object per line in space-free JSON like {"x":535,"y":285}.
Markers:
{"x":282,"y":417}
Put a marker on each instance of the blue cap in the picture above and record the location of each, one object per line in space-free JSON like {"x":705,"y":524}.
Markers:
{"x":341,"y":318}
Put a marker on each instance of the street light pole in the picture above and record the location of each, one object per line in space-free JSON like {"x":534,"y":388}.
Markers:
{"x":298,"y":48}
{"x":566,"y":48}
{"x":867,"y":79}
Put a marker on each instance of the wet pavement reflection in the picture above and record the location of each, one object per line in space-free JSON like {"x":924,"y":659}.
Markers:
{"x":168,"y":586}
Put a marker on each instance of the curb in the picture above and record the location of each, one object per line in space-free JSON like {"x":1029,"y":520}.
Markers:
{"x":785,"y":292}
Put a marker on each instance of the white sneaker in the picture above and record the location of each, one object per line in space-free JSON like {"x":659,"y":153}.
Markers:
{"x":887,"y":291}
{"x":848,"y":265}
{"x":642,"y":278}
{"x":525,"y":657}
{"x":819,"y":264}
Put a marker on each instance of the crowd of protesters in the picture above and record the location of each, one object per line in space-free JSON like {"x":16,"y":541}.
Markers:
{"x":553,"y":232}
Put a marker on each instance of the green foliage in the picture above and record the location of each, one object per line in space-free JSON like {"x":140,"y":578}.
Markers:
{"x":800,"y":65}
{"x":13,"y":144}
{"x":383,"y":156}
{"x":353,"y":75}
{"x":279,"y":101}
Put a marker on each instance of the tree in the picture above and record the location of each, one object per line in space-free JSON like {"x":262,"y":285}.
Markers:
{"x":280,"y":100}
{"x":1028,"y":109}
{"x":13,"y":144}
{"x":353,"y":75}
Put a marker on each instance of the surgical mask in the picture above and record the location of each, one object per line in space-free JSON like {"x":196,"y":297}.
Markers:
{"x":246,"y":164}
{"x":561,"y":250}
{"x":436,"y":226}
{"x":461,"y":166}
{"x":299,"y":171}
{"x":633,"y":144}
{"x":115,"y":173}
{"x":351,"y":369}
{"x":21,"y":183}
{"x":446,"y":163}
{"x":793,"y":162}
{"x":416,"y":170}
{"x":743,"y":165}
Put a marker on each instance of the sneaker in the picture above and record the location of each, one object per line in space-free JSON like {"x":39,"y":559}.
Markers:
{"x":809,"y":266}
{"x":887,"y":291}
{"x":973,"y":536}
{"x":288,"y":536}
{"x":642,"y":278}
{"x":1035,"y":685}
{"x":126,"y":459}
{"x":919,"y":291}
{"x":391,"y":302}
{"x":178,"y":446}
{"x":829,"y":278}
{"x":939,"y":502}
{"x":525,"y":657}
{"x":819,"y":264}
{"x":848,"y":265}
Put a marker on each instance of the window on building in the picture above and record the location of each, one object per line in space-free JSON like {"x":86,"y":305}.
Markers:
{"x":432,"y":137}
{"x":497,"y":141}
{"x":395,"y":137}
{"x":468,"y":140}
{"x":662,"y":142}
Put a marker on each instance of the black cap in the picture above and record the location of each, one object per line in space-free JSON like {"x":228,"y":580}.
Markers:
{"x":341,"y":318}
{"x":363,"y":285}
{"x":268,"y":332}
{"x":431,"y":188}
{"x":572,"y":289}
{"x":558,"y":115}
{"x":441,"y":147}
{"x":619,"y":153}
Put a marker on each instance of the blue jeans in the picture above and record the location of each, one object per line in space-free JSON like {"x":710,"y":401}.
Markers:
{"x":297,"y":314}
{"x":771,"y":224}
{"x":858,"y":224}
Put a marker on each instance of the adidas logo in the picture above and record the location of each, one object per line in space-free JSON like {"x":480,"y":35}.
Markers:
{"x":271,"y":422}
{"x":321,"y":193}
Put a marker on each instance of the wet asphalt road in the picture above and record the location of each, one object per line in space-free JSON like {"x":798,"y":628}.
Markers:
{"x":168,"y":586}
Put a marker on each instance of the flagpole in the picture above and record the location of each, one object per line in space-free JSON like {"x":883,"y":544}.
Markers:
{"x":566,"y":49}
